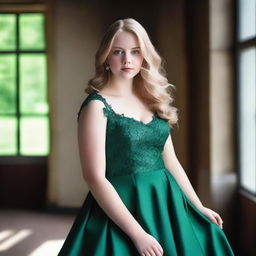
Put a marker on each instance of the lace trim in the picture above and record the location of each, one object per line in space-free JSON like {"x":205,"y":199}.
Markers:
{"x":153,"y":117}
{"x":109,"y":112}
{"x":95,"y":96}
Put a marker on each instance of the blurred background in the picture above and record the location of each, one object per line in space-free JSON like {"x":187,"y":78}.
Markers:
{"x":47,"y":51}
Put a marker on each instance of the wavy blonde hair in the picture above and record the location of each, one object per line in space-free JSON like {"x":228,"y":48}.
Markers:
{"x":150,"y":83}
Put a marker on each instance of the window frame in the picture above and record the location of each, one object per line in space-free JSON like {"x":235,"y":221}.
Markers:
{"x":18,"y":9}
{"x":238,"y":47}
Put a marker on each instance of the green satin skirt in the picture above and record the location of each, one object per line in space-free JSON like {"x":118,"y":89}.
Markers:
{"x":162,"y":209}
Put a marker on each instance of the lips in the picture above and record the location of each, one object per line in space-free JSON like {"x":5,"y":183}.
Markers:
{"x":127,"y":69}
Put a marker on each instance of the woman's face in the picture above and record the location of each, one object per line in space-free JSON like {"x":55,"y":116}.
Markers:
{"x":125,"y":58}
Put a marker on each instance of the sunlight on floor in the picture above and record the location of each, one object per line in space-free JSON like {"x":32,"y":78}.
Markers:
{"x":49,"y":248}
{"x":10,"y":238}
{"x":5,"y":233}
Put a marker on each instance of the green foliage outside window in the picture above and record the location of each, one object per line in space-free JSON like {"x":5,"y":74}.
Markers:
{"x":23,"y":85}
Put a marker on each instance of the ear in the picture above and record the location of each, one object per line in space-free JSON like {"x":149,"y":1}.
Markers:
{"x":106,"y":61}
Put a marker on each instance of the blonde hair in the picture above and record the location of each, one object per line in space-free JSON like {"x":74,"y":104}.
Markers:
{"x":150,"y":83}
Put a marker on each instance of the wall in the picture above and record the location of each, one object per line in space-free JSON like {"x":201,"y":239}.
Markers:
{"x":222,"y":112}
{"x":74,"y":35}
{"x":197,"y":49}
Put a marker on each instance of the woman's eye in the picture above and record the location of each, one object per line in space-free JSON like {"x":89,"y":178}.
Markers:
{"x":136,"y":52}
{"x":117,"y":52}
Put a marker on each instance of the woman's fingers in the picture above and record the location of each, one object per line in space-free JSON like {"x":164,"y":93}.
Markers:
{"x":213,"y":216}
{"x":153,"y":252}
{"x":158,"y":250}
{"x":214,"y":219}
{"x":218,"y":219}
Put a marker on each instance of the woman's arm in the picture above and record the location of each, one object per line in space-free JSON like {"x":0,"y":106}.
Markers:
{"x":174,"y":167}
{"x":91,"y":140}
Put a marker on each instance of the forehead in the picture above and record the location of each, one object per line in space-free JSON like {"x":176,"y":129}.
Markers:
{"x":125,"y":39}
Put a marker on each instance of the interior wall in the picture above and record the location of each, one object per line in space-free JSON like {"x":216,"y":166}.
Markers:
{"x":197,"y":48}
{"x":222,"y":112}
{"x":171,"y":35}
{"x":222,"y":86}
{"x":74,"y":37}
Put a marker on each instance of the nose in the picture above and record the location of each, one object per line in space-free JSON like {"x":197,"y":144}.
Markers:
{"x":127,"y":58}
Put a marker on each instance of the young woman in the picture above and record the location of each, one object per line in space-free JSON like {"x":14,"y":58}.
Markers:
{"x":140,"y":200}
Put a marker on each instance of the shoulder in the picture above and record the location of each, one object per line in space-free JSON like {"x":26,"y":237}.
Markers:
{"x":91,"y":108}
{"x":92,"y":97}
{"x":91,"y":123}
{"x":92,"y":104}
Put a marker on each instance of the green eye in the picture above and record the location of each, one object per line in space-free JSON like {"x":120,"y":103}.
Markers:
{"x":136,"y":52}
{"x":117,"y":52}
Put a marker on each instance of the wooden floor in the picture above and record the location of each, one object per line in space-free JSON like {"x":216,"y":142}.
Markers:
{"x":32,"y":233}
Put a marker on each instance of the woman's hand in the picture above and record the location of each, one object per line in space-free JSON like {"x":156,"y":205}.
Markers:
{"x":212,"y":215}
{"x":147,"y":245}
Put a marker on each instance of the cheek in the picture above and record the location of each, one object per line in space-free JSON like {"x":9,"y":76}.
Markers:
{"x":139,"y":61}
{"x":113,"y":61}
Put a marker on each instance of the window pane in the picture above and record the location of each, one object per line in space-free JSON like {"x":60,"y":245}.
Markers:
{"x":247,"y":138}
{"x":34,"y":136}
{"x":8,"y":133}
{"x":33,"y":83}
{"x":247,"y":19}
{"x":7,"y":32}
{"x":7,"y":83}
{"x":32,"y":31}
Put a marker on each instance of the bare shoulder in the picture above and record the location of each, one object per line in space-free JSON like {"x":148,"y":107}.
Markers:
{"x":92,"y":112}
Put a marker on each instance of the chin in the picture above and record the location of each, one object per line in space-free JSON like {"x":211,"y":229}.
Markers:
{"x":127,"y":76}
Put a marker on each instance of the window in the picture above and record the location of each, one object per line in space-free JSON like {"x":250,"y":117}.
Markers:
{"x":24,"y":119}
{"x":246,"y":99}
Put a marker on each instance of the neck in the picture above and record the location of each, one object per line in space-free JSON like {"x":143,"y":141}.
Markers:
{"x":121,"y":87}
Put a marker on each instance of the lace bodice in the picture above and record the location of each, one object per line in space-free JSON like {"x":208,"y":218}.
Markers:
{"x":131,"y":146}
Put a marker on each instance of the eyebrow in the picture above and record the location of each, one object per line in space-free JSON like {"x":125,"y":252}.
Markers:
{"x":122,"y":48}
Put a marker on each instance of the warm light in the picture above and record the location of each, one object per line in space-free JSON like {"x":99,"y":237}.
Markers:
{"x":14,"y":239}
{"x":4,"y":234}
{"x":49,"y":248}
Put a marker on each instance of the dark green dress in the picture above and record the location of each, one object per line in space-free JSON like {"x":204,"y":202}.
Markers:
{"x":135,"y":168}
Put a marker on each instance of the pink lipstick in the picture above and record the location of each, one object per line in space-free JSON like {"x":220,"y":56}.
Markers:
{"x":127,"y":69}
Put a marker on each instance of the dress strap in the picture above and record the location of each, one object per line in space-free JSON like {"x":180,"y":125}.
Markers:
{"x":95,"y":96}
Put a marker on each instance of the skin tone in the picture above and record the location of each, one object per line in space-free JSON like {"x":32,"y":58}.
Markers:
{"x":120,"y":93}
{"x":125,"y":53}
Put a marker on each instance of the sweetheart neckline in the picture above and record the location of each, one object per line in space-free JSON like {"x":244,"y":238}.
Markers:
{"x":153,"y":117}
